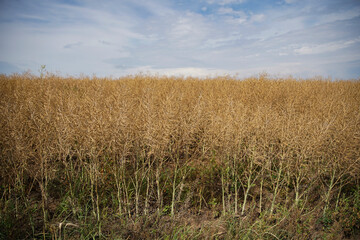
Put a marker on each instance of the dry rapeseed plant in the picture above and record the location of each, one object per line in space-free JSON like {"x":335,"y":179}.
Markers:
{"x":136,"y":146}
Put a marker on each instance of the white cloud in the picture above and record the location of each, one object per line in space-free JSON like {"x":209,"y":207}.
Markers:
{"x":233,"y":17}
{"x":72,"y":45}
{"x":230,"y":11}
{"x":187,"y":30}
{"x":339,"y":15}
{"x":257,"y":17}
{"x":325,"y":48}
{"x":290,"y":1}
{"x":196,"y":72}
{"x":220,"y":42}
{"x":226,"y":2}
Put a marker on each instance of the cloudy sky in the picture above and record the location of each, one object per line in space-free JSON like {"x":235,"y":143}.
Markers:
{"x":302,"y":38}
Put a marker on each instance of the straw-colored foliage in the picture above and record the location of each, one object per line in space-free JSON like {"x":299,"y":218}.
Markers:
{"x":157,"y":157}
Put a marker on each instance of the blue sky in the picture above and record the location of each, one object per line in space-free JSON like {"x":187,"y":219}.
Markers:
{"x":302,"y":38}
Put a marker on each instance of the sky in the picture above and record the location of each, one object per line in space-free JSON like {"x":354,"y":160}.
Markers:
{"x":203,"y":38}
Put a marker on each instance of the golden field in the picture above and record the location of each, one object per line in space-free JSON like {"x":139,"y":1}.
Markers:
{"x":179,"y":158}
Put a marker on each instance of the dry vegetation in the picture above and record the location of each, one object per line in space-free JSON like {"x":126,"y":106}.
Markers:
{"x":155,"y":157}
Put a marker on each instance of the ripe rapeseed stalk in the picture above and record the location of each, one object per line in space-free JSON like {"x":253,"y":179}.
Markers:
{"x":90,"y":151}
